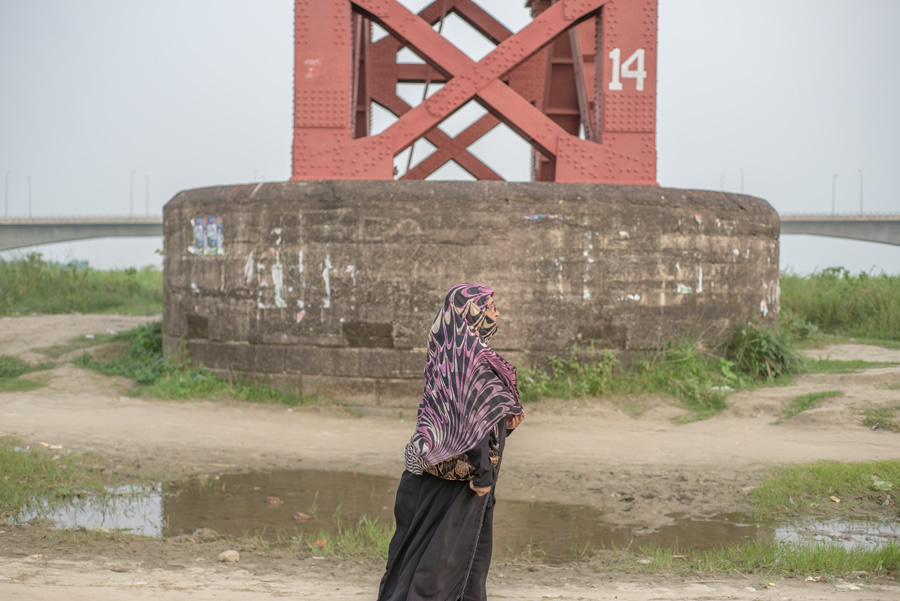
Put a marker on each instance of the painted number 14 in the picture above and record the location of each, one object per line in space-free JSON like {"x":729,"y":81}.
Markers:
{"x":627,"y":70}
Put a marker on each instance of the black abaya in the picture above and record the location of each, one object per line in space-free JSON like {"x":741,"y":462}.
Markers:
{"x":441,"y":550}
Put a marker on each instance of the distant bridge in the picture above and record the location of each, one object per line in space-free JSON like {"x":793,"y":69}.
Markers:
{"x":18,"y":233}
{"x":870,"y":228}
{"x":22,"y":232}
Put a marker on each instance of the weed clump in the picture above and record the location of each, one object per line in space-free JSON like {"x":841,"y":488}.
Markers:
{"x":762,"y":352}
{"x":583,"y":374}
{"x":30,"y":478}
{"x":142,"y":360}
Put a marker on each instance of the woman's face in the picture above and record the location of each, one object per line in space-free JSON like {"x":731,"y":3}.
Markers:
{"x":491,"y":310}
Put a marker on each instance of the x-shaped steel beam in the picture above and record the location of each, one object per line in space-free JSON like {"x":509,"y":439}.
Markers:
{"x":468,"y":79}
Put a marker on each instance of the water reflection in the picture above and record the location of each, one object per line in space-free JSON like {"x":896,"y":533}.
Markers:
{"x":267,"y":504}
{"x":847,"y":533}
{"x":238,"y":504}
{"x":133,"y":509}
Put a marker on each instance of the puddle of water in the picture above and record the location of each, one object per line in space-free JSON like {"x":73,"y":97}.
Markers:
{"x":244,"y":504}
{"x":237,"y":504}
{"x":559,"y":533}
{"x":134,"y":509}
{"x":847,"y":533}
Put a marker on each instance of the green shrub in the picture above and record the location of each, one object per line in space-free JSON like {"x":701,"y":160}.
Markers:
{"x":762,"y":353}
{"x":142,"y":360}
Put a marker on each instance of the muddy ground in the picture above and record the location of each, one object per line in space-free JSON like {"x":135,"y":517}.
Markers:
{"x":638,"y":469}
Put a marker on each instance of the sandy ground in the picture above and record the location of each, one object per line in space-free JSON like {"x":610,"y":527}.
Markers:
{"x":572,"y":452}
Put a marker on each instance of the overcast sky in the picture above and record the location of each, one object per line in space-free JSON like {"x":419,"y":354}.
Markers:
{"x":95,"y":94}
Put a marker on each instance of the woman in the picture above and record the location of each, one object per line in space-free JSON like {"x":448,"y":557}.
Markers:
{"x":441,"y":549}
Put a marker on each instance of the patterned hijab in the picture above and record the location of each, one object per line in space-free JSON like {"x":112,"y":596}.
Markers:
{"x":469,"y":388}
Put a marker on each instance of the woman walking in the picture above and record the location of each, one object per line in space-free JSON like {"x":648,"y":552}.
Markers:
{"x":441,"y":549}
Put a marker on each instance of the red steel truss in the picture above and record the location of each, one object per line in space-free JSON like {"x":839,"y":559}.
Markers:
{"x":589,"y":119}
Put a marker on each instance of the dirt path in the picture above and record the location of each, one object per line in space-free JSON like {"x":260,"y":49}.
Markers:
{"x":571,"y":452}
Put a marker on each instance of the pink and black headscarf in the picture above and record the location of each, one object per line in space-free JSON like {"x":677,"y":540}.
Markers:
{"x":469,"y":388}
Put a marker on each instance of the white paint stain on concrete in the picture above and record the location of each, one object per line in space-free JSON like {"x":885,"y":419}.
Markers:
{"x":588,"y":260}
{"x":559,"y":276}
{"x":248,"y":268}
{"x":326,"y":275}
{"x":278,"y":281}
{"x":351,"y":269}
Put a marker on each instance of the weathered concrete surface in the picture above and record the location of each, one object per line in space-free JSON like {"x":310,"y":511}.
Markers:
{"x":333,"y":285}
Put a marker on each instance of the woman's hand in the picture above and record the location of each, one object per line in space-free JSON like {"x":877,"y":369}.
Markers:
{"x":480,"y":491}
{"x":514,"y":420}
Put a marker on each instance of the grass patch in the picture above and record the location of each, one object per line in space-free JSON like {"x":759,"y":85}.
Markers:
{"x":21,"y":384}
{"x":32,"y":285}
{"x":699,"y":378}
{"x":806,"y":402}
{"x":833,"y":366}
{"x":30,"y":476}
{"x":176,"y":378}
{"x":884,"y":418}
{"x":838,"y":302}
{"x":806,"y":490}
{"x":13,"y":367}
{"x":366,"y":538}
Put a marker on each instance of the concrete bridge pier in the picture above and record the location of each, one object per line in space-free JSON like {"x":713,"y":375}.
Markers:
{"x":331,"y":286}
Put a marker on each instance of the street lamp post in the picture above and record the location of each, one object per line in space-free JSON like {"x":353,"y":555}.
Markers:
{"x":860,"y":191}
{"x":7,"y":194}
{"x":147,"y":196}
{"x":131,"y":197}
{"x":833,"y":180}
